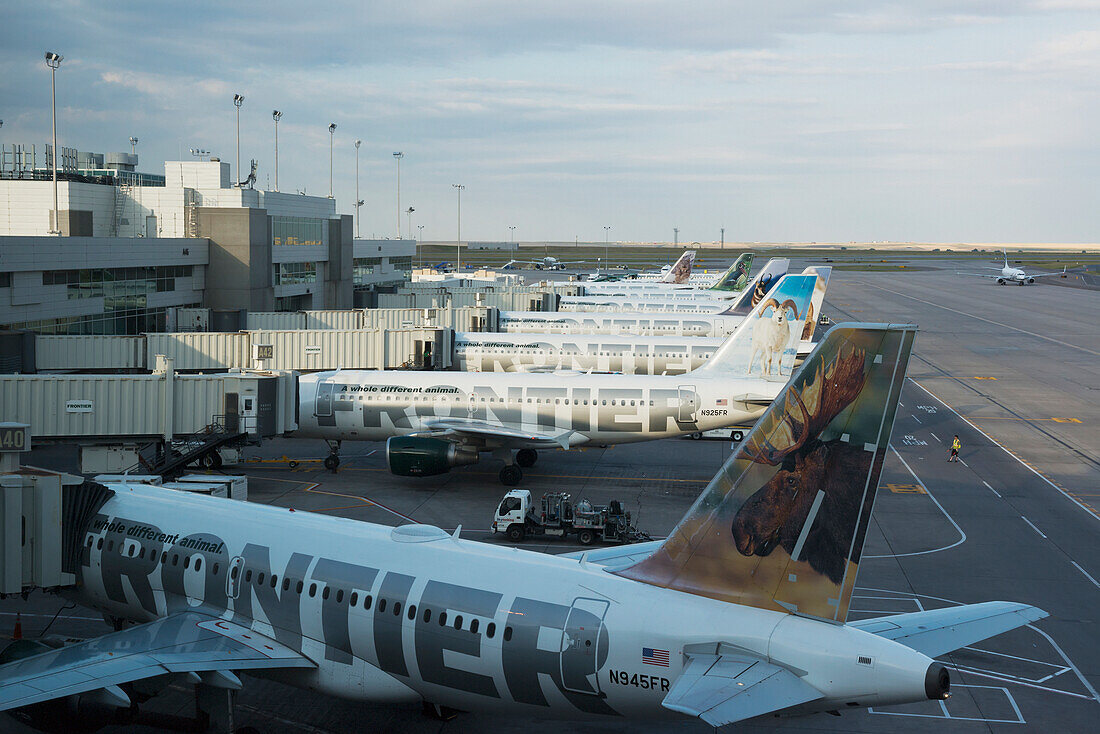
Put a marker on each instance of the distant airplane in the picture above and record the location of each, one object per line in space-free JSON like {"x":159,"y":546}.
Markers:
{"x":740,"y":613}
{"x":1009,"y":274}
{"x":433,"y":421}
{"x":443,"y":267}
{"x":546,"y":263}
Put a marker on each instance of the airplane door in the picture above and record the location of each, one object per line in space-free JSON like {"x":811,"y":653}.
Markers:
{"x":233,"y":577}
{"x":581,"y":654}
{"x":688,"y":404}
{"x":323,"y":406}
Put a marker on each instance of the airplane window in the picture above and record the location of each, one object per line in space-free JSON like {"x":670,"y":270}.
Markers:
{"x":651,"y":403}
{"x":442,"y":619}
{"x":412,"y":611}
{"x":603,"y":402}
{"x":248,"y":575}
{"x":354,"y":599}
{"x":586,"y":402}
{"x":458,"y":621}
{"x":507,"y":634}
{"x":473,"y":626}
{"x":187,"y":562}
{"x":163,"y":556}
{"x":233,"y":572}
{"x":175,"y":559}
{"x":90,"y":541}
{"x":397,"y":609}
{"x":286,"y":583}
{"x":110,"y":545}
{"x":528,"y":400}
{"x":259,"y":576}
{"x":367,"y":601}
{"x":325,"y":592}
{"x":141,"y":553}
{"x":130,"y":552}
{"x":274,"y":581}
{"x":381,"y":605}
{"x":198,"y":564}
{"x":214,"y":569}
{"x":339,"y":595}
{"x":298,"y":588}
{"x":427,"y":615}
{"x":632,"y":403}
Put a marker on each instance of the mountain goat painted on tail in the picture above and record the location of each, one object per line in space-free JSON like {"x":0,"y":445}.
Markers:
{"x":771,"y":335}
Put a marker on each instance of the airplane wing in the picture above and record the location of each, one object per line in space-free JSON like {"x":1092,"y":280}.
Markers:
{"x":180,"y":643}
{"x":722,"y":689}
{"x":443,"y":427}
{"x":942,"y":630}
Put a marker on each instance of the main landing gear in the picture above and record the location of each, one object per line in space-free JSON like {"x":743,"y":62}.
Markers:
{"x":332,"y":461}
{"x":511,"y":473}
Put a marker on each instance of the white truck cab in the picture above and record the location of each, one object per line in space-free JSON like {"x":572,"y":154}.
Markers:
{"x":513,"y":509}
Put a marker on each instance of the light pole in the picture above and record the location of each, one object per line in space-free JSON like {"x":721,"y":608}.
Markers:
{"x":409,"y":212}
{"x":53,"y":61}
{"x":458,"y":242}
{"x":358,"y":201}
{"x":675,"y":236}
{"x":397,"y":156}
{"x":723,"y":244}
{"x":238,"y":100}
{"x":606,"y":234}
{"x":420,"y":245}
{"x":331,"y":142}
{"x":512,"y":237}
{"x":275,"y":115}
{"x":133,"y":145}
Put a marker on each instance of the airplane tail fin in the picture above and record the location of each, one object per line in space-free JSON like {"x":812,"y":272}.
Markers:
{"x":681,"y":269}
{"x":782,"y":524}
{"x":737,"y":277}
{"x":766,"y":342}
{"x":756,"y":290}
{"x":813,"y":313}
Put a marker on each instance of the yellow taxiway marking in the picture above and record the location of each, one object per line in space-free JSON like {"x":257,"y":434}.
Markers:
{"x":984,"y":378}
{"x":1013,"y":418}
{"x":906,"y":488}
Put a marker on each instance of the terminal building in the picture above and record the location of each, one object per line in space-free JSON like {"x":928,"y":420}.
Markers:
{"x":133,"y":245}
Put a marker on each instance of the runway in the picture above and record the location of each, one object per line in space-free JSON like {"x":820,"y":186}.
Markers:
{"x":1012,"y":371}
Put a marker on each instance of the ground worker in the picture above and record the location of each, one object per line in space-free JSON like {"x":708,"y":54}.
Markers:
{"x":955,"y":446}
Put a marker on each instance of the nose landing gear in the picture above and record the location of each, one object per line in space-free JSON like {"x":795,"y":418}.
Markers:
{"x":332,"y":461}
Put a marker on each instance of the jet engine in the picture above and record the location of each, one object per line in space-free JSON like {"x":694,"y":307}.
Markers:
{"x":410,"y":456}
{"x":1030,"y":280}
{"x":1000,"y":281}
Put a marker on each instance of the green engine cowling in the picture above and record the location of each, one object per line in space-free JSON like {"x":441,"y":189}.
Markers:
{"x":409,"y":456}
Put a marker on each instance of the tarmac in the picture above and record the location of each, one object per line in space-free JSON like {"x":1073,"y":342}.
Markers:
{"x":1011,"y":370}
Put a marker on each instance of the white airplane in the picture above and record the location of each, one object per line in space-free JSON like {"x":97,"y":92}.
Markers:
{"x":546,"y":263}
{"x":740,"y":613}
{"x":734,"y":279}
{"x":651,"y":319}
{"x":478,"y":351}
{"x":691,"y":301}
{"x":433,"y":421}
{"x":1009,"y":274}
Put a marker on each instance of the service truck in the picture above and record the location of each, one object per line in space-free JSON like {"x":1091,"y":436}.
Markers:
{"x":556,"y":515}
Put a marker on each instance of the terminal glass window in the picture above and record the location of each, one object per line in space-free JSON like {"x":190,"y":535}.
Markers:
{"x":295,"y":273}
{"x":403,"y":264}
{"x":364,"y":266}
{"x":296,"y":231}
{"x":127,"y":286}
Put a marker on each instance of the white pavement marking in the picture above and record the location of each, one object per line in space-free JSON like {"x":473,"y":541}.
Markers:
{"x":988,"y":321}
{"x":992,"y":440}
{"x":991,"y":488}
{"x":1029,"y":522}
{"x":916,"y":419}
{"x":935,"y":437}
{"x":963,"y":462}
{"x":962,"y":535}
{"x":1090,"y":578}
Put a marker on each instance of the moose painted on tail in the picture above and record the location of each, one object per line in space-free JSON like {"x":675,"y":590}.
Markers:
{"x":815,"y":477}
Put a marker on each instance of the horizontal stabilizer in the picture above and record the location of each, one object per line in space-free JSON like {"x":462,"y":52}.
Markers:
{"x":622,"y":555}
{"x":723,"y":689}
{"x":181,"y":643}
{"x":942,"y":630}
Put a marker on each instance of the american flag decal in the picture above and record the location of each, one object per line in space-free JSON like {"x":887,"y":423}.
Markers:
{"x":650,"y":656}
{"x":720,"y":402}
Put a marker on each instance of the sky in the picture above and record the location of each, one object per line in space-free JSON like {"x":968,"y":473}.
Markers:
{"x":782,"y":121}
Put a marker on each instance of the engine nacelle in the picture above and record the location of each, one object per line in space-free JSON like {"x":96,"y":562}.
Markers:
{"x":410,"y":456}
{"x":1000,"y":281}
{"x":1030,"y":280}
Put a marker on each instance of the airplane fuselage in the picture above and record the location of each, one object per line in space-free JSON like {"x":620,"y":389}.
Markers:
{"x":640,"y":323}
{"x":394,"y":616}
{"x":601,"y":409}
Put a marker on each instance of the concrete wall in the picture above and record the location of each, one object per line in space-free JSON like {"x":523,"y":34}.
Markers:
{"x":239,"y":274}
{"x":338,"y":287}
